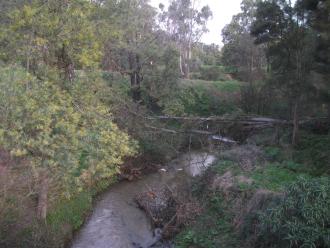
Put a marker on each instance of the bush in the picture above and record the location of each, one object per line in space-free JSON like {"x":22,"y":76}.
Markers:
{"x":212,"y":73}
{"x":313,"y":150}
{"x":301,"y":219}
{"x":205,"y":98}
{"x":64,"y":134}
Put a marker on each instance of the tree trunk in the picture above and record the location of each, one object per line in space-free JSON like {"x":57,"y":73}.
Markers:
{"x":184,"y":63}
{"x":295,"y":123}
{"x":65,"y":64}
{"x":135,"y":86}
{"x":180,"y":64}
{"x":43,"y":197}
{"x":135,"y":77}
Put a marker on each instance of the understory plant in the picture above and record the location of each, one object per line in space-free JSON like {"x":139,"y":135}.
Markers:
{"x":301,"y":219}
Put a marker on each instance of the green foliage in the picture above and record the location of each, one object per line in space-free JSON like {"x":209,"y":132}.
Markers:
{"x":52,"y":37}
{"x":275,"y":176}
{"x":212,"y":73}
{"x":283,"y":27}
{"x":240,"y":54}
{"x":272,"y":176}
{"x":229,"y":86}
{"x":313,"y":151}
{"x":161,"y":83}
{"x":55,"y":129}
{"x":273,"y":152}
{"x":72,"y":212}
{"x":302,"y":219}
{"x":204,"y":54}
{"x":299,"y":217}
{"x":186,"y":24}
{"x":207,"y":98}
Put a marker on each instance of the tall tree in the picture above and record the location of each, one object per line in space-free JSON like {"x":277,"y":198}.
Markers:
{"x":132,"y":46}
{"x":290,"y":49}
{"x":246,"y":59}
{"x":318,"y":15}
{"x":239,"y":49}
{"x":186,"y":24}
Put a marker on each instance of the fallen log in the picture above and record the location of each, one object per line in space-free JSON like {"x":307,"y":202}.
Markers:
{"x":241,"y":120}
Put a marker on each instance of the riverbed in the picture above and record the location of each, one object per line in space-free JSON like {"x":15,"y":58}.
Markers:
{"x":117,"y":222}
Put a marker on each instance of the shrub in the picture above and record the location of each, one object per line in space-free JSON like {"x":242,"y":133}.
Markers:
{"x":301,"y":219}
{"x":53,"y":127}
{"x":313,"y":150}
{"x":212,"y":73}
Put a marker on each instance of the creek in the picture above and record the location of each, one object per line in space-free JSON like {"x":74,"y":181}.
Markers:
{"x":117,"y":222}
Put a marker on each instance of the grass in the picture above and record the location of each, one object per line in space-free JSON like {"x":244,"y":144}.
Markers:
{"x":271,"y":176}
{"x":72,"y":212}
{"x":275,"y":177}
{"x":228,"y":85}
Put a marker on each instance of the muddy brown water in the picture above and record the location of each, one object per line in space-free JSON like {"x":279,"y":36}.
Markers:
{"x":117,"y":222}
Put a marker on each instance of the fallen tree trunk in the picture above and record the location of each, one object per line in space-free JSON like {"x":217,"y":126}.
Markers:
{"x":243,"y":120}
{"x":249,"y":120}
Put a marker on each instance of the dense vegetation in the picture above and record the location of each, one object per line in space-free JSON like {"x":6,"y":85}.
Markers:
{"x":83,"y":84}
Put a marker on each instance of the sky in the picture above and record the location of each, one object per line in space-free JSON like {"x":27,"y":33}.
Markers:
{"x":223,"y":10}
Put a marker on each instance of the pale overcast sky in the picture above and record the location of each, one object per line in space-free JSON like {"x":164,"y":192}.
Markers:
{"x":223,"y":10}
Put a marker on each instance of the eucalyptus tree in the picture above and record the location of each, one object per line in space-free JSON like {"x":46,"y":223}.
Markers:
{"x":239,"y":50}
{"x":131,"y":42}
{"x":318,"y":14}
{"x":186,"y":24}
{"x":290,"y":50}
{"x":246,"y":59}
